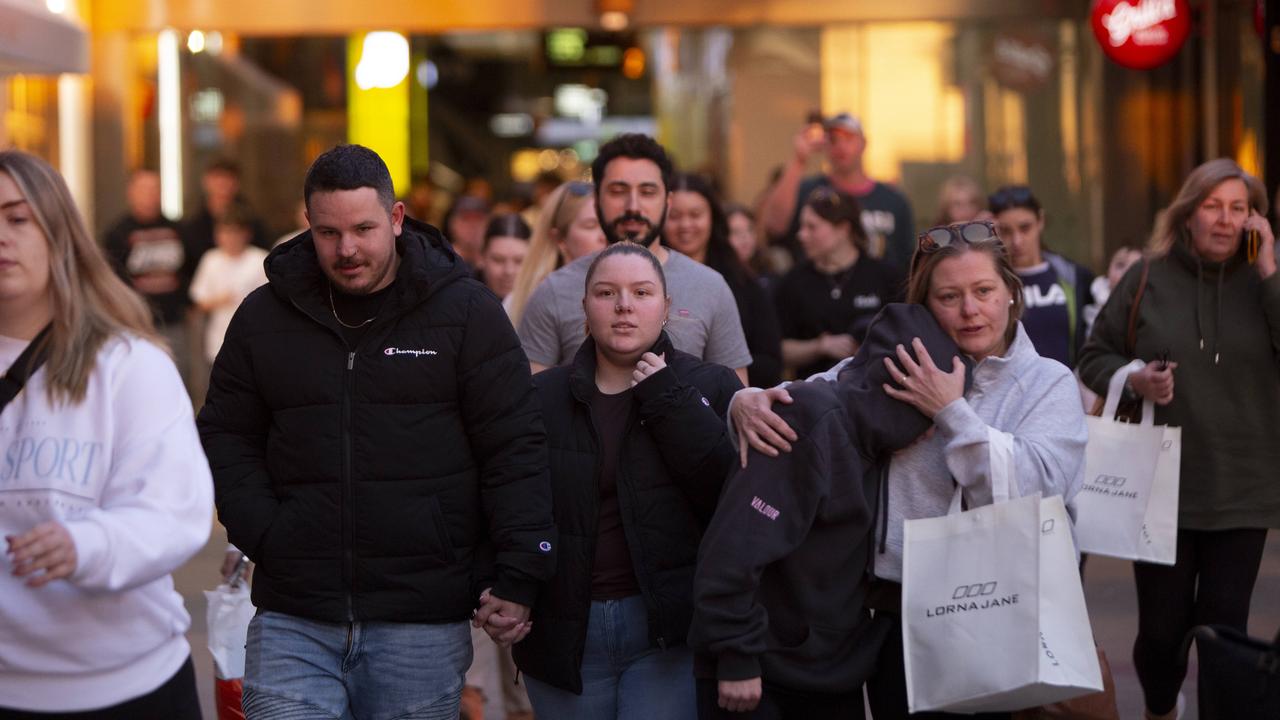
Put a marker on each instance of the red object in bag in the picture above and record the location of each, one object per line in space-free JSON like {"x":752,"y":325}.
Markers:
{"x":227,"y":694}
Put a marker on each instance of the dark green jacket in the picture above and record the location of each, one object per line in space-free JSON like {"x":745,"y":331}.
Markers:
{"x":1221,"y":323}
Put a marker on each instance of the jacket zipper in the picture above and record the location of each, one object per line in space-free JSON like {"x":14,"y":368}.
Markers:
{"x":624,"y":506}
{"x":348,"y":494}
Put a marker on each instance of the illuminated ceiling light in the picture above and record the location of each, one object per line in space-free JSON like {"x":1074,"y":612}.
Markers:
{"x":195,"y":41}
{"x":57,"y":7}
{"x":614,"y":21}
{"x":384,"y":61}
{"x":213,"y":43}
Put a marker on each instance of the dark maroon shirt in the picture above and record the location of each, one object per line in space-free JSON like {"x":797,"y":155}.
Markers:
{"x":612,"y":575}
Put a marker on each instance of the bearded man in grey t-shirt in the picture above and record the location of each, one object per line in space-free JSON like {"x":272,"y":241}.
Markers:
{"x":632,"y":173}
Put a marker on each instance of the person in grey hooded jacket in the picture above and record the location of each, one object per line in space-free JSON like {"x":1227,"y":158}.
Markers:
{"x":758,"y":614}
{"x":963,"y":275}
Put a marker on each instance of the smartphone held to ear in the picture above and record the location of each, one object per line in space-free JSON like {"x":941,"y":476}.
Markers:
{"x":1252,"y":244}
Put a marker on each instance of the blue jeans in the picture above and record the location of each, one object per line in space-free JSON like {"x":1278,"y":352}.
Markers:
{"x":297,"y":668}
{"x":623,"y":677}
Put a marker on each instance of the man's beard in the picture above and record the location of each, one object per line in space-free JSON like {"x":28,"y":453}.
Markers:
{"x":613,"y":234}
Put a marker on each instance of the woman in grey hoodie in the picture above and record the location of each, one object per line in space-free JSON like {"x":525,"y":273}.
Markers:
{"x":962,"y":273}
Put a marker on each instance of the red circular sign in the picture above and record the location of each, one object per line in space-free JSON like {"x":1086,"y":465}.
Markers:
{"x":1141,"y":34}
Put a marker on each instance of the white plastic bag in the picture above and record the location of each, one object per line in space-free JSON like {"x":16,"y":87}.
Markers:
{"x":229,"y":613}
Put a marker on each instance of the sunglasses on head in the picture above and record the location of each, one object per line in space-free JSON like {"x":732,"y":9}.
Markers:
{"x":1011,"y":197}
{"x":969,"y":233}
{"x":825,"y":196}
{"x":576,"y":188}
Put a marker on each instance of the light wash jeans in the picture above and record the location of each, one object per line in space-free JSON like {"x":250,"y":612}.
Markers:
{"x":623,"y":677}
{"x":297,"y":668}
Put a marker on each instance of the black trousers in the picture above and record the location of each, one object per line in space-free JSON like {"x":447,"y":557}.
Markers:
{"x":1211,"y":584}
{"x":176,"y":699}
{"x":777,"y":703}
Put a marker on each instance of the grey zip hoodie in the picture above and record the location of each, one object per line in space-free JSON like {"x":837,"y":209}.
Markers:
{"x":1032,"y":398}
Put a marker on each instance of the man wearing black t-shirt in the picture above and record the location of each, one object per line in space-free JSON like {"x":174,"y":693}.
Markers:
{"x":886,"y":214}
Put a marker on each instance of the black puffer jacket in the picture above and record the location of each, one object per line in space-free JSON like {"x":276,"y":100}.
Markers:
{"x":673,"y":460}
{"x":363,"y":480}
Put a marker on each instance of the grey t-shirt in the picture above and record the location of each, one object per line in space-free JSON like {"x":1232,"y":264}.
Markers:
{"x":703,"y":321}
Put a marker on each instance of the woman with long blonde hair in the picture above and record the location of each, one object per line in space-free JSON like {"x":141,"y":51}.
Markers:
{"x":106,"y":488}
{"x":567,"y":230}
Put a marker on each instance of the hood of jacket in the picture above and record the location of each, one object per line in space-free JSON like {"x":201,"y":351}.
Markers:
{"x":887,"y":425}
{"x":1209,"y":277}
{"x":427,"y":263}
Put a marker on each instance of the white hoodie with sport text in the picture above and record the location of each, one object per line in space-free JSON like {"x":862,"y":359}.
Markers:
{"x":124,"y":472}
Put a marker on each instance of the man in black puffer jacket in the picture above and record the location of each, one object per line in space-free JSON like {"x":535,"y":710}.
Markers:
{"x":374,"y":436}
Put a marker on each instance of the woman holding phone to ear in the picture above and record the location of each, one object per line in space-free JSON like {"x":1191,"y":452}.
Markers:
{"x":1211,"y":301}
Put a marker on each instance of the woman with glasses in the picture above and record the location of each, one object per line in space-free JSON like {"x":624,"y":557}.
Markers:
{"x":826,"y":302}
{"x":1055,"y":290}
{"x":638,"y":450}
{"x":1210,"y":302}
{"x":566,"y":230}
{"x":105,"y":488}
{"x":696,"y":226}
{"x":963,"y":275}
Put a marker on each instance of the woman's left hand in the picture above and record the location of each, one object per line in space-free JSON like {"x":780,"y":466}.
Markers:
{"x":48,"y":547}
{"x":924,"y":386}
{"x":648,"y":364}
{"x":1267,"y":245}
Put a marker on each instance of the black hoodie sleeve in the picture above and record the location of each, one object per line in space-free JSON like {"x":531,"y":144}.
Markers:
{"x":233,"y":428}
{"x":690,"y":432}
{"x":764,"y":514}
{"x":503,"y":422}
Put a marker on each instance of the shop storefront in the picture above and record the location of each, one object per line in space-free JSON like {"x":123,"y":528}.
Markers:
{"x":1002,"y":91}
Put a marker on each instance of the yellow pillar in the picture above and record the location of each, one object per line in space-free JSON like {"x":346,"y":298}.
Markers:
{"x":378,"y":76}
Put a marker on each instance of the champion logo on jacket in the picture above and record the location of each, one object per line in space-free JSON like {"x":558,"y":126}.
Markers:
{"x":415,"y":353}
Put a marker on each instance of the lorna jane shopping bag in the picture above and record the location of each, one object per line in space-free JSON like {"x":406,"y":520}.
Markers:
{"x":1128,"y":507}
{"x":993,"y":613}
{"x":229,"y":613}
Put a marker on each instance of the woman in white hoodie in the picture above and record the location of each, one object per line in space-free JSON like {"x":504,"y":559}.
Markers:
{"x":104,"y":488}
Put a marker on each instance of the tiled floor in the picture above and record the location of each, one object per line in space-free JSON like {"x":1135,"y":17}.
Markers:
{"x":1108,"y":587}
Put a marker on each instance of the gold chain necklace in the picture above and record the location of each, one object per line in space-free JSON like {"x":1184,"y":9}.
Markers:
{"x":334,"y":309}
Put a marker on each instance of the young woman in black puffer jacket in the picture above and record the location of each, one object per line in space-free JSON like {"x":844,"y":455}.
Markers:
{"x":638,"y":451}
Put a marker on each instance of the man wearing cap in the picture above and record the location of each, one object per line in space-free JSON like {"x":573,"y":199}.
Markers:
{"x":886,"y":214}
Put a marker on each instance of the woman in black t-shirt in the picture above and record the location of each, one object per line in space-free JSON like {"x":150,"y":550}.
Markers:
{"x":638,"y":450}
{"x":826,"y":302}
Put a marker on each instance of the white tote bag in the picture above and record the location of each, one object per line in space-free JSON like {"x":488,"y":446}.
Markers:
{"x":1128,"y":507}
{"x":993,"y":613}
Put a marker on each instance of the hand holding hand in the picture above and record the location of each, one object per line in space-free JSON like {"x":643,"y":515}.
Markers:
{"x":647,"y":365}
{"x":740,"y":695}
{"x":47,"y":547}
{"x":1154,"y":384}
{"x":924,"y":386}
{"x":506,"y":623}
{"x":758,"y":425}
